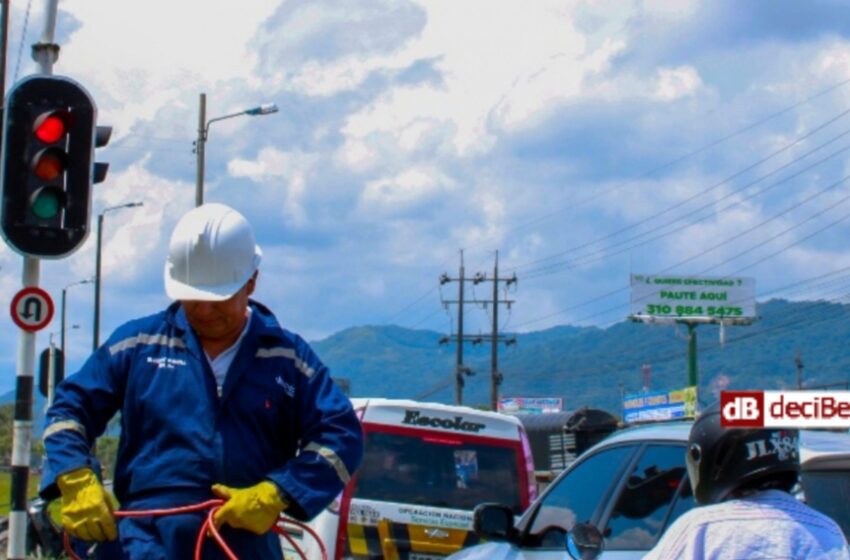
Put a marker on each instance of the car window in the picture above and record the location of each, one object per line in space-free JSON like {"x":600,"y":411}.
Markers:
{"x":829,"y":493}
{"x":684,"y":502}
{"x":576,"y":496}
{"x":438,"y":471}
{"x":641,"y":508}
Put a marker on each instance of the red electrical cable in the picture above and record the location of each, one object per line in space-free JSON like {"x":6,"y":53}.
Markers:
{"x":208,"y":529}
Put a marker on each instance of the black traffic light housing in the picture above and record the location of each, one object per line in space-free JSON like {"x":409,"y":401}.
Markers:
{"x":48,"y":168}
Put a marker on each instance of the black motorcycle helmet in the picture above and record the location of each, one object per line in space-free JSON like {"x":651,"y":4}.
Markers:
{"x":723,"y":462}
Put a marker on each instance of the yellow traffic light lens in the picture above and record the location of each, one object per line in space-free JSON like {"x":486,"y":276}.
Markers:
{"x":49,"y":164}
{"x":49,"y":128}
{"x":47,"y":202}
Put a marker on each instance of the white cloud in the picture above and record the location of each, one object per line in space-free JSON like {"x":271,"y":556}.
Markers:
{"x":292,"y":169}
{"x":674,"y":83}
{"x":524,"y":58}
{"x":133,"y":238}
{"x":138,"y":57}
{"x":404,"y":190}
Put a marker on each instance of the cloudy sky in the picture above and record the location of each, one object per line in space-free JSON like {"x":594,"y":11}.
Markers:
{"x":582,"y":140}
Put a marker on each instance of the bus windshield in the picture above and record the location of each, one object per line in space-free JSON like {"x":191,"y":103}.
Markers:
{"x":438,"y":471}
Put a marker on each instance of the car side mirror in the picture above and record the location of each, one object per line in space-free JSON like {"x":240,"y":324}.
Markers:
{"x":493,"y":522}
{"x":584,"y":542}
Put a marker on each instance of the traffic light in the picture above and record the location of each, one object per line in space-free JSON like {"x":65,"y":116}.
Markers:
{"x":49,"y":136}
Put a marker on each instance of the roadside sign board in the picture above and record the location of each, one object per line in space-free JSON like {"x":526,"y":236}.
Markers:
{"x":657,"y":406}
{"x":32,"y":309}
{"x":713,"y":297}
{"x":514,"y":405}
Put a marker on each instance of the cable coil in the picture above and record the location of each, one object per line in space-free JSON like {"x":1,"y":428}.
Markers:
{"x":208,"y":529}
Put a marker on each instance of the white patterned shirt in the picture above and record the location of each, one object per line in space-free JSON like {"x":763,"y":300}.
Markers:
{"x":769,"y":524}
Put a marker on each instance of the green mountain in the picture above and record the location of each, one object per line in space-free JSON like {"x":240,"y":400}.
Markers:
{"x":593,"y":366}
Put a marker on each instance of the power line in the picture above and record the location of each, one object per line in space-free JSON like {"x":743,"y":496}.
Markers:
{"x":697,"y":195}
{"x":23,"y":39}
{"x":701,"y":253}
{"x":682,"y":158}
{"x":670,"y":163}
{"x":606,"y":253}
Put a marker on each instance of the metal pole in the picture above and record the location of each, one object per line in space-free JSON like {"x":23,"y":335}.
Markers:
{"x":4,"y":43}
{"x":62,"y":329}
{"x":798,"y":361}
{"x":459,"y":381}
{"x":692,"y":354}
{"x":199,"y":150}
{"x":494,"y":344}
{"x":45,"y":53}
{"x":51,"y":371}
{"x":22,"y":430}
{"x":96,"y":333}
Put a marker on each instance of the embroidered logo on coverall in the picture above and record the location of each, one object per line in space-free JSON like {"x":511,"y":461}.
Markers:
{"x":165,"y":362}
{"x":287,"y":388}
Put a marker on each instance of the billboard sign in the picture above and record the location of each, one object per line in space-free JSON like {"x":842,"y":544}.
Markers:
{"x":674,"y":296}
{"x":517,"y":405}
{"x":656,"y":406}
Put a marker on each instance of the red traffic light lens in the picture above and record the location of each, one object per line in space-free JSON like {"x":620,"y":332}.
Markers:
{"x":49,"y":127}
{"x":48,"y":164}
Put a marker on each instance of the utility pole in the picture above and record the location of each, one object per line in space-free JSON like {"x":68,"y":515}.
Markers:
{"x":199,"y":150}
{"x":798,"y":361}
{"x":460,"y":369}
{"x":495,"y":337}
{"x":693,"y":372}
{"x":646,"y":371}
{"x":495,"y":376}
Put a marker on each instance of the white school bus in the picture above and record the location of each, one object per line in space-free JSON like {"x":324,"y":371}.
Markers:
{"x":425,"y":468}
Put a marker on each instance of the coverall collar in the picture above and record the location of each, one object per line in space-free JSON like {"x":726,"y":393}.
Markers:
{"x":262,"y":324}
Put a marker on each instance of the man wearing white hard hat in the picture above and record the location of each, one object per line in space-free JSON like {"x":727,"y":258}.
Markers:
{"x":216,"y":400}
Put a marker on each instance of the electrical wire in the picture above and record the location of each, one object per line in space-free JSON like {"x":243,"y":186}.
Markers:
{"x":23,"y":39}
{"x":703,"y":192}
{"x":607,"y":253}
{"x":209,"y":530}
{"x":675,"y":161}
{"x":682,"y":158}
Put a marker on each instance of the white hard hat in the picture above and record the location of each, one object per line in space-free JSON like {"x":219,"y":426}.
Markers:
{"x":212,"y":254}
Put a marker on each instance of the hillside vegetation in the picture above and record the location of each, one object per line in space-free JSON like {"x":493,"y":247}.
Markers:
{"x":586,"y":365}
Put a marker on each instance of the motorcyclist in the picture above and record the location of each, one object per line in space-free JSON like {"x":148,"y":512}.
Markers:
{"x":743,"y":479}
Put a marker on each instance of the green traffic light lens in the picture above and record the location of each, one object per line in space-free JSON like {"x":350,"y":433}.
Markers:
{"x":47,"y":202}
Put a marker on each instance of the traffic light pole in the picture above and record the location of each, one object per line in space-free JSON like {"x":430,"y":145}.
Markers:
{"x":45,"y":53}
{"x":22,"y":428}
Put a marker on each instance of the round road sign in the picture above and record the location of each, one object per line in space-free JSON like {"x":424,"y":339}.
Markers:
{"x":32,"y":309}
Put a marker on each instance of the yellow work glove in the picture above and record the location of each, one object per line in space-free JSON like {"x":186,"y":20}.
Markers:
{"x":255,"y":508}
{"x":86,"y":506}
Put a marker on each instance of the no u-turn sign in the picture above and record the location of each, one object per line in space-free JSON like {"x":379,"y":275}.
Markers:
{"x":32,"y":309}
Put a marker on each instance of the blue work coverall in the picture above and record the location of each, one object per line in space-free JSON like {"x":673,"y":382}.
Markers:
{"x":278,"y":417}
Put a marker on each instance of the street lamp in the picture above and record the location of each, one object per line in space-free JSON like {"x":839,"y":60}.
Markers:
{"x":96,"y":336}
{"x":62,"y":336}
{"x":203,"y":130}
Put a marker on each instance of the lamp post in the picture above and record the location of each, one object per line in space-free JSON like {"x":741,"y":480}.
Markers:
{"x":96,"y":335}
{"x":203,"y":130}
{"x":62,"y":335}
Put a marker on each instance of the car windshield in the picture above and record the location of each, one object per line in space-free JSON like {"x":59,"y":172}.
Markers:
{"x":440,"y":471}
{"x":829,"y":493}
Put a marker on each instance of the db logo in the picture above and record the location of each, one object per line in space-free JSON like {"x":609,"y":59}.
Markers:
{"x":742,"y":409}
